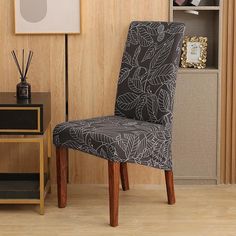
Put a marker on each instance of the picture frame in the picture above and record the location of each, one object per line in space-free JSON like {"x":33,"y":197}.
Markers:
{"x":47,"y":16}
{"x":194,"y":52}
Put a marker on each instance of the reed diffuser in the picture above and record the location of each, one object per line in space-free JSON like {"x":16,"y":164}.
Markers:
{"x":23,"y":89}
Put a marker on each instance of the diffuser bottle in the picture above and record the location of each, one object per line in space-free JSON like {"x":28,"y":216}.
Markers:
{"x":23,"y":89}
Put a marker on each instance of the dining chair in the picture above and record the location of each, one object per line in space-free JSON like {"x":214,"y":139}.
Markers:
{"x":140,"y":131}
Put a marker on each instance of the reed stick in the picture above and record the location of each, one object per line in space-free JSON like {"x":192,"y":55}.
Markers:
{"x":16,"y":62}
{"x":30,"y":55}
{"x":23,"y":61}
{"x":24,"y":69}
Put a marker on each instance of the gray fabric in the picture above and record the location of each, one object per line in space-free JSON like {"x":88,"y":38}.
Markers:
{"x":140,"y":132}
{"x":118,"y":139}
{"x":146,"y":85}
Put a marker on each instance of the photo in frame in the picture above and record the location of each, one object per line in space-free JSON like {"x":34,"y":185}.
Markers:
{"x":47,"y":16}
{"x":194,"y":52}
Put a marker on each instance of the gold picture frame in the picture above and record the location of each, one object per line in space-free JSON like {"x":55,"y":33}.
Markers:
{"x":194,"y":52}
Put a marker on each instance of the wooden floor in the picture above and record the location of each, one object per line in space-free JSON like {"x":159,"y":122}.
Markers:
{"x":200,"y":211}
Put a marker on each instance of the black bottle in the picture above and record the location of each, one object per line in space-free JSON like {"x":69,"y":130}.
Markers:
{"x":23,"y":89}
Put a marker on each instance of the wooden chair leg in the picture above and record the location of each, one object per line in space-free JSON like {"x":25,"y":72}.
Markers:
{"x":113,"y":174}
{"x":124,"y":176}
{"x":62,"y":169}
{"x":170,"y":186}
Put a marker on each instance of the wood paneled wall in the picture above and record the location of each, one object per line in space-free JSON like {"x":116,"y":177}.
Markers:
{"x":94,"y":64}
{"x":47,"y":73}
{"x":228,"y":95}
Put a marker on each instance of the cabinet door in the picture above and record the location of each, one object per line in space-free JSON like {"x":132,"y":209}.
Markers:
{"x":195,"y":128}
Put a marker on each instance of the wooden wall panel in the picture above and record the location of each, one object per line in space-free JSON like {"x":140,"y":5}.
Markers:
{"x":47,"y":73}
{"x":94,"y":64}
{"x":228,"y":95}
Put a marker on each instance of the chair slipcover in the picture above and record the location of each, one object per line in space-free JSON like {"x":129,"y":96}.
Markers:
{"x":141,"y":129}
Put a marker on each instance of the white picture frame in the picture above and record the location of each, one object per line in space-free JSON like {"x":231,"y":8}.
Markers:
{"x":47,"y":16}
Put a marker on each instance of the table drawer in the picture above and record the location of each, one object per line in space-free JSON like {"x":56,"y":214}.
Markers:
{"x":20,"y":119}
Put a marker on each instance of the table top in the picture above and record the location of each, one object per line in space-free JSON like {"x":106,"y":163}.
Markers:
{"x":37,"y":99}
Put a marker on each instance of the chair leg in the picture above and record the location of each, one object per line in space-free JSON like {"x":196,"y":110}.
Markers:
{"x":170,"y":186}
{"x":62,"y":169}
{"x":113,"y":175}
{"x":124,"y":176}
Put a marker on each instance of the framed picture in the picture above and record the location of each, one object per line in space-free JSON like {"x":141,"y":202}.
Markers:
{"x":47,"y":16}
{"x":194,"y":52}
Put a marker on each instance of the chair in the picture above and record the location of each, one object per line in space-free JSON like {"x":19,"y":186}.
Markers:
{"x":141,"y":129}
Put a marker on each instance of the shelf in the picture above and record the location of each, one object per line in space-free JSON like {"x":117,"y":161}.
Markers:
{"x":20,"y":186}
{"x":192,"y":70}
{"x":199,"y":8}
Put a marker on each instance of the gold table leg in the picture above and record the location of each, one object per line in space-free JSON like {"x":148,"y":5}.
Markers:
{"x":49,"y":139}
{"x":41,"y":176}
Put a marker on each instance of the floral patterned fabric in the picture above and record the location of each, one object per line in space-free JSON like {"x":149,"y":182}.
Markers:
{"x":140,"y":132}
{"x":146,"y":85}
{"x":118,"y":139}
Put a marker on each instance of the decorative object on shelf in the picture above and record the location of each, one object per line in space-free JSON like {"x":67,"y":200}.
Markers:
{"x":180,"y":2}
{"x":23,"y":89}
{"x":194,"y":52}
{"x":192,"y":12}
{"x":194,"y":2}
{"x":47,"y":17}
{"x":186,"y":2}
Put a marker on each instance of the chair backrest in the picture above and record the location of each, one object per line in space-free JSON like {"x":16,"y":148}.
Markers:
{"x":147,"y":79}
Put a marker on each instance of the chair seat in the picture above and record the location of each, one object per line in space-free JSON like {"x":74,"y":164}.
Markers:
{"x":118,"y":139}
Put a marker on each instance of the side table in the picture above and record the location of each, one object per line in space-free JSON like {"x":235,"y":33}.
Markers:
{"x":26,"y":121}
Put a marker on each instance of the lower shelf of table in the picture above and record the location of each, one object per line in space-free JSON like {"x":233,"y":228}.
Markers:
{"x":21,"y":188}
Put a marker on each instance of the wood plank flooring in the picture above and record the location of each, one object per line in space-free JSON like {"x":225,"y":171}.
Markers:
{"x":199,"y":211}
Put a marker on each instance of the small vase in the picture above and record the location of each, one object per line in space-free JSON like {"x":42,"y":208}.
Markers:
{"x":23,"y":90}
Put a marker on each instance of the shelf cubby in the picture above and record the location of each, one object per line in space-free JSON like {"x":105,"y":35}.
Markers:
{"x":20,"y":186}
{"x":205,"y":24}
